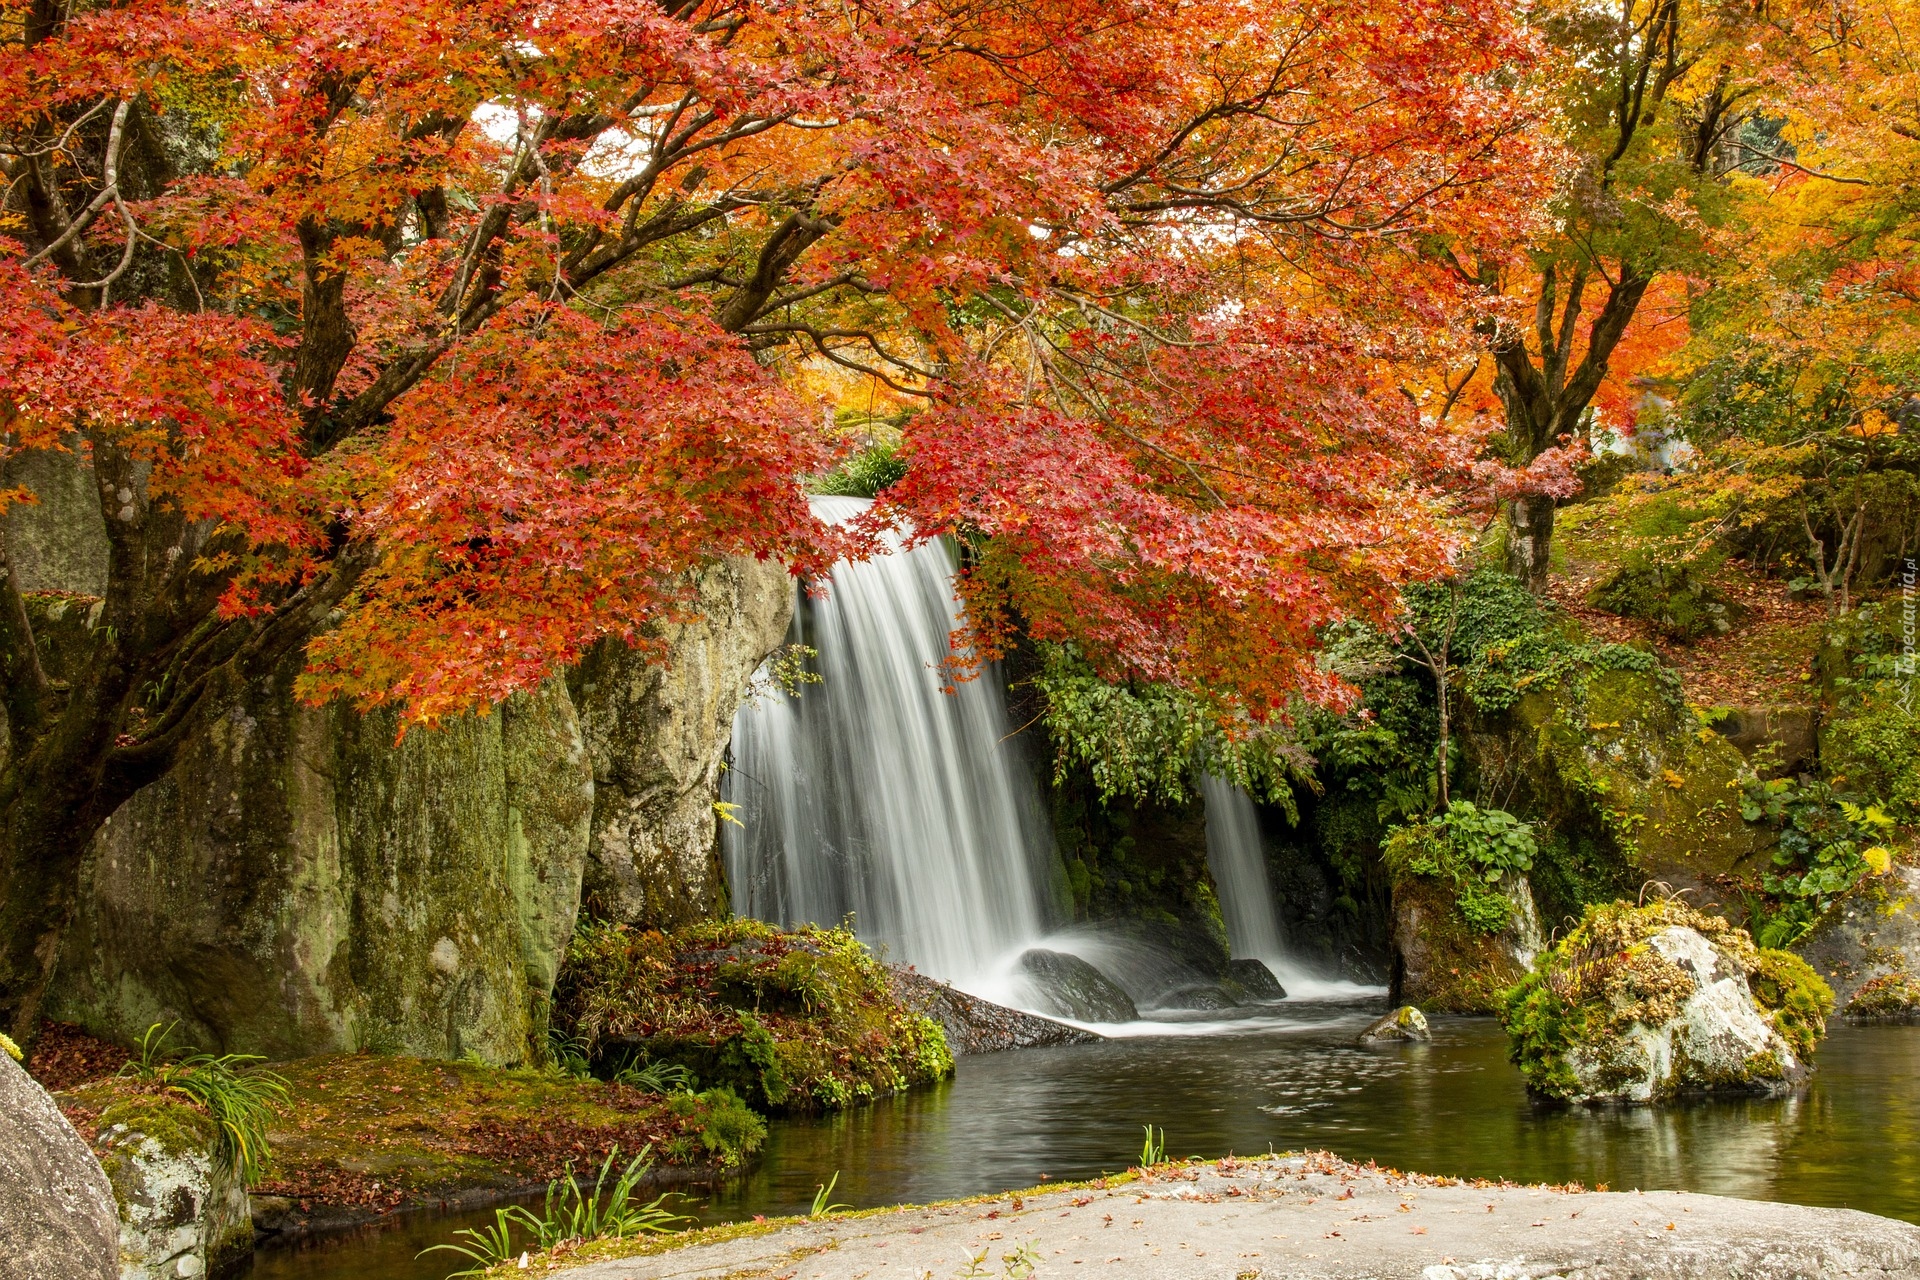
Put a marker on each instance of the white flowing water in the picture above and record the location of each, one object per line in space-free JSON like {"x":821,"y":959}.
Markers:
{"x":1254,"y":927}
{"x":878,"y":794}
{"x":1239,"y":867}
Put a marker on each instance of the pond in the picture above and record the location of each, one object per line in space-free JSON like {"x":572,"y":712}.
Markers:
{"x":1288,"y":1079}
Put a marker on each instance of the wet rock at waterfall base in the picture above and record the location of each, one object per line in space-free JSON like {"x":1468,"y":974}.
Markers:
{"x":974,"y":1025}
{"x":1207,"y":996}
{"x":1404,"y":1023}
{"x":1071,"y":988}
{"x":56,"y":1207}
{"x":1254,"y":980}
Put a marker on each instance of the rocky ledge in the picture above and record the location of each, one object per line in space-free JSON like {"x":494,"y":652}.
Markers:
{"x":973,"y":1025}
{"x":1300,"y":1216}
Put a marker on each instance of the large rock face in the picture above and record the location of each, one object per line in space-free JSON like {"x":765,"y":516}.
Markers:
{"x":658,"y":736}
{"x":1645,"y":1004}
{"x":56,"y":1207}
{"x":302,"y":883}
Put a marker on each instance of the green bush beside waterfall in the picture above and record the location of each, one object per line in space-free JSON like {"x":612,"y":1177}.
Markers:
{"x":800,"y":1020}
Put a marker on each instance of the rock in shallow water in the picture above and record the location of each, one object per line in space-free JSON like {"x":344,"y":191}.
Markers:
{"x":1404,"y":1023}
{"x":56,"y":1206}
{"x":974,"y":1025}
{"x":1072,"y":988}
{"x":1255,"y":980}
{"x":1643,"y":1004}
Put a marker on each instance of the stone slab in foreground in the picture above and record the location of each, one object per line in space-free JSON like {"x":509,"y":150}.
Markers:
{"x":1311,"y":1216}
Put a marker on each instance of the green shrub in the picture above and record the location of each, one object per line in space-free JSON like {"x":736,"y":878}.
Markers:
{"x":1677,"y":597}
{"x":802,"y":1020}
{"x":1148,"y":742}
{"x":1827,"y":845}
{"x":864,"y":474}
{"x":1474,"y":849}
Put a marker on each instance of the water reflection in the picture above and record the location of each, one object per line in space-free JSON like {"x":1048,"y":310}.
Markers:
{"x":1455,"y":1107}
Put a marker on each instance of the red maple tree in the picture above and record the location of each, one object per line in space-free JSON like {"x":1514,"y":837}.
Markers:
{"x":444,"y":341}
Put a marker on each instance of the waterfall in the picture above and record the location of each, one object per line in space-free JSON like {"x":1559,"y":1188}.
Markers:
{"x":877,"y":795}
{"x":1239,"y":867}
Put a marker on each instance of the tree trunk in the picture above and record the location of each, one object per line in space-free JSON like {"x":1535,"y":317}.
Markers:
{"x":1530,"y":540}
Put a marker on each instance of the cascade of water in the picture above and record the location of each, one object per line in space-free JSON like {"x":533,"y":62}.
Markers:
{"x":878,"y":795}
{"x":1239,"y":869}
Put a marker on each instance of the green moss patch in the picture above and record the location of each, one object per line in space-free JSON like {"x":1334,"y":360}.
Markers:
{"x":805,"y":1020}
{"x":380,"y":1132}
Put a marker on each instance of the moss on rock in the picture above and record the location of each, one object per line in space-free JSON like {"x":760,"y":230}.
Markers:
{"x":805,"y":1020}
{"x":1641,"y":1003}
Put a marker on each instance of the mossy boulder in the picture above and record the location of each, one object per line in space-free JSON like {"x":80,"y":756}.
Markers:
{"x":1444,"y":962}
{"x":1402,"y":1024}
{"x":1641,"y":1004}
{"x":1636,"y":786}
{"x":801,"y":1020}
{"x":1871,"y":938}
{"x":183,"y":1210}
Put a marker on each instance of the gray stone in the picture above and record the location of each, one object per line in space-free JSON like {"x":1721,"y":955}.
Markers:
{"x":1295,"y":1218}
{"x":1404,"y":1023}
{"x":973,"y":1025}
{"x":1069,"y":987}
{"x":1197,"y":996}
{"x":59,"y":541}
{"x":658,"y":735}
{"x":57,"y":1219}
{"x":1871,"y":936}
{"x":183,"y":1212}
{"x":1254,"y":980}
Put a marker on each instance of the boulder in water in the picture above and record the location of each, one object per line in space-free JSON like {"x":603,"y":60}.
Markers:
{"x":56,"y":1206}
{"x":1404,"y":1023}
{"x":1255,"y":980}
{"x":1643,"y":1004}
{"x":974,"y":1025}
{"x":1072,"y":988}
{"x":1199,"y":995}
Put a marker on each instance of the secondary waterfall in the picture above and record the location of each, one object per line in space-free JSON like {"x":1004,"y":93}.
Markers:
{"x":1239,"y":867}
{"x":875,"y":794}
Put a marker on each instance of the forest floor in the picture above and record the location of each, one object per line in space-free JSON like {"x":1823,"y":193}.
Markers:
{"x":1281,"y":1217}
{"x":1766,"y":658}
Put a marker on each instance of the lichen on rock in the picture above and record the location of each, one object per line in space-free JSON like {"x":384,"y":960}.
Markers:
{"x":1642,"y":1004}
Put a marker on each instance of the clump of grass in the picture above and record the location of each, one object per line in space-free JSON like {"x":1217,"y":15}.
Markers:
{"x":238,"y":1095}
{"x":570,"y":1214}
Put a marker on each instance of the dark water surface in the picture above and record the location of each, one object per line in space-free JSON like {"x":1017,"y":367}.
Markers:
{"x":1291,"y":1081}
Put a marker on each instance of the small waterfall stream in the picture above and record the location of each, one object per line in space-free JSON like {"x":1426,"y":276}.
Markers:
{"x":1239,"y":867}
{"x":878,"y":795}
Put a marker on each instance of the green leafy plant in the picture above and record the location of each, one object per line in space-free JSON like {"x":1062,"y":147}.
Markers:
{"x":239,"y":1096}
{"x":658,"y":1077}
{"x":1476,"y":850}
{"x":1827,"y":845}
{"x":864,"y":474}
{"x":1144,"y":741}
{"x":1154,"y":1150}
{"x":570,"y":1213}
{"x":823,"y":1198}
